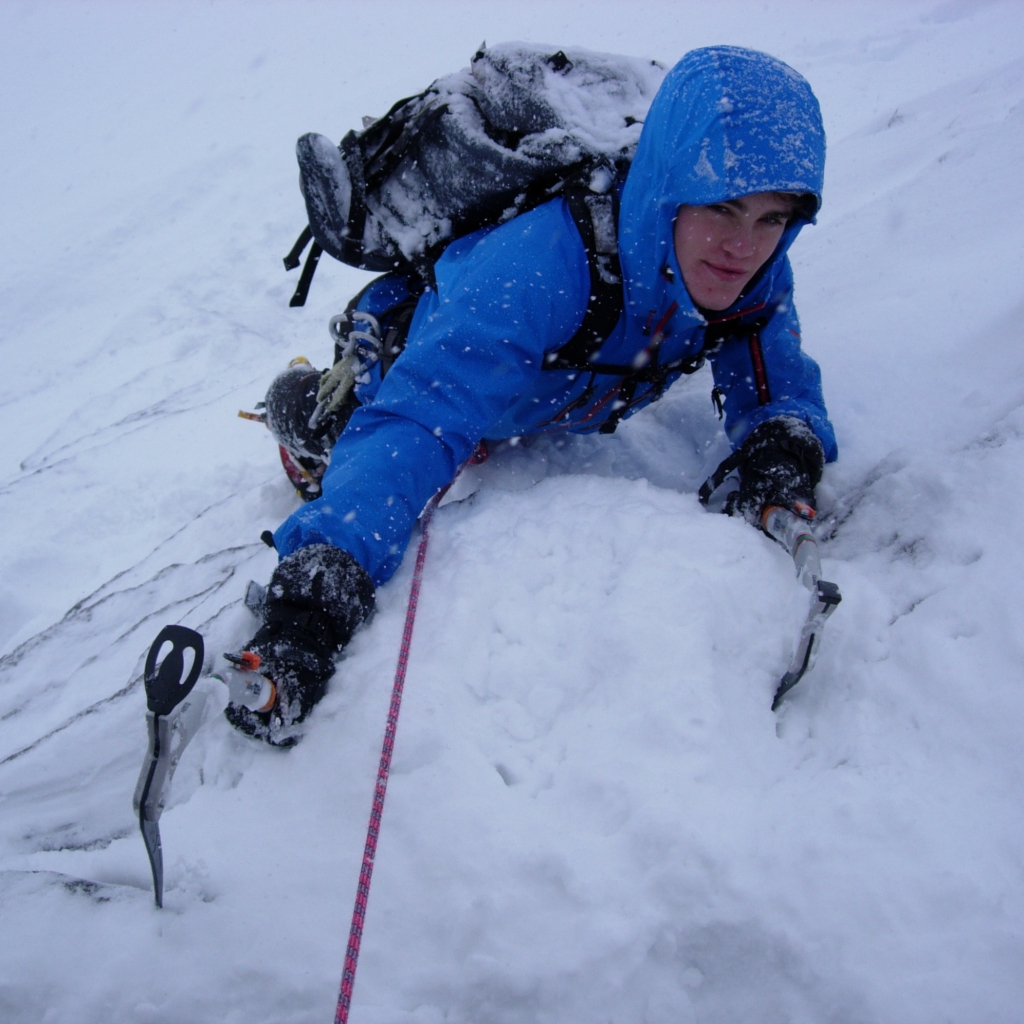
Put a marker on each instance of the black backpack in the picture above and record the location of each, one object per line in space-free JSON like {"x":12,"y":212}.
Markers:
{"x":517,"y":127}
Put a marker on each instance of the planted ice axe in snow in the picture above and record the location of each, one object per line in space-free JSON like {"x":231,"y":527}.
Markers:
{"x":172,"y":721}
{"x":794,"y":533}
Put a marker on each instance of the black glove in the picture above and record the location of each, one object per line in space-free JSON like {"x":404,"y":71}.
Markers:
{"x":316,"y":598}
{"x":780,"y":464}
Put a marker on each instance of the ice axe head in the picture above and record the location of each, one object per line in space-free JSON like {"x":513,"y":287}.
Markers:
{"x":167,"y":684}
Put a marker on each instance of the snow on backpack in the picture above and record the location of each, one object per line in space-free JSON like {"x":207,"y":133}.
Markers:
{"x":517,"y":127}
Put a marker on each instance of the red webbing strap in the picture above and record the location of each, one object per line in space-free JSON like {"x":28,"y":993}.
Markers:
{"x":355,"y":934}
{"x":764,"y":396}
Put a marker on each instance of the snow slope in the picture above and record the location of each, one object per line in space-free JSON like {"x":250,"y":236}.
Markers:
{"x":593,"y":815}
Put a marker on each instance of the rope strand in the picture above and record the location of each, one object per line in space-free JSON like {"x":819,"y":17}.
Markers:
{"x":355,"y":934}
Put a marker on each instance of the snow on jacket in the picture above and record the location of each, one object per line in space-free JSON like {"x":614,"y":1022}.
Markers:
{"x":726,"y":122}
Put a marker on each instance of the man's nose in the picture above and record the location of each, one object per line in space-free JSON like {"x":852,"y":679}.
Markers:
{"x":739,"y":242}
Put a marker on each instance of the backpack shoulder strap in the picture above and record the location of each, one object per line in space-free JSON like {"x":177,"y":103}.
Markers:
{"x":596,"y":219}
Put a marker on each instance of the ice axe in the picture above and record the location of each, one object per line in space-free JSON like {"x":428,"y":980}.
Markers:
{"x":172,"y":721}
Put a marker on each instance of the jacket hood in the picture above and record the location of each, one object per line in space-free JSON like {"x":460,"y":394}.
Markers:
{"x":726,"y":122}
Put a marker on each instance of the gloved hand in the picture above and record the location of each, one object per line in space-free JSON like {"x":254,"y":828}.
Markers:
{"x":780,"y":464}
{"x":316,"y":598}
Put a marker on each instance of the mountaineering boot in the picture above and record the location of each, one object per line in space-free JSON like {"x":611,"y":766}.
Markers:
{"x":306,"y":409}
{"x":304,"y":441}
{"x":316,"y":598}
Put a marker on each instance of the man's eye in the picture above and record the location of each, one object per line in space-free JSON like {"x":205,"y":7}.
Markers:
{"x":774,"y":219}
{"x":719,"y":208}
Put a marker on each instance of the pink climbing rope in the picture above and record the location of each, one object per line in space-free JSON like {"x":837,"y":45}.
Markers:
{"x":355,"y":935}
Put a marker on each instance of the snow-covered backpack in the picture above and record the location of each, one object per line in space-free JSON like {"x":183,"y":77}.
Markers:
{"x":519,"y":126}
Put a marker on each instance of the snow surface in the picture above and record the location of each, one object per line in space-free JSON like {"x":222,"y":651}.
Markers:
{"x":593,"y":815}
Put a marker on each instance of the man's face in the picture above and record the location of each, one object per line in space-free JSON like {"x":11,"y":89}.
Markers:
{"x":722,"y":246}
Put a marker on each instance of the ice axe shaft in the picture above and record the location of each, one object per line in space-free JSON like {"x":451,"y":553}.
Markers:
{"x":794,"y":533}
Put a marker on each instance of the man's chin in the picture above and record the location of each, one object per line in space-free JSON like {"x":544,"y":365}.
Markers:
{"x":716,"y":302}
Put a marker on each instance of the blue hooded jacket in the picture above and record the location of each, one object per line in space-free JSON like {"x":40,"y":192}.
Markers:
{"x":726,"y":122}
